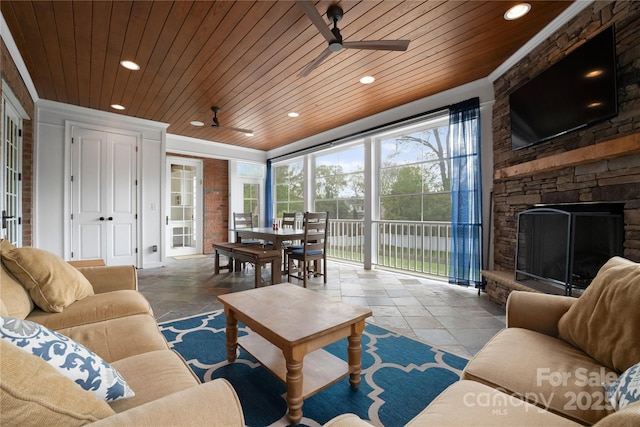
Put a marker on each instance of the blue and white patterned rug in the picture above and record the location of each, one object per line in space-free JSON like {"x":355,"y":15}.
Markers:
{"x":400,"y":375}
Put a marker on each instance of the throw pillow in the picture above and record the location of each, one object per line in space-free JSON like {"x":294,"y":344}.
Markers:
{"x":71,"y":359}
{"x":626,"y":389}
{"x":52,"y":283}
{"x":605,"y":321}
{"x":33,"y":393}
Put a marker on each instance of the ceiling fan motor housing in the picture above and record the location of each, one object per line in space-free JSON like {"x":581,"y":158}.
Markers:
{"x":214,"y":120}
{"x":335,"y":13}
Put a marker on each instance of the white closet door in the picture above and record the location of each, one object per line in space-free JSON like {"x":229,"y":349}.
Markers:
{"x":103,"y":197}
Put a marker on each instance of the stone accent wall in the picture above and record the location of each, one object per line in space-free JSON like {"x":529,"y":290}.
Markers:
{"x":611,"y":180}
{"x":9,"y":73}
{"x":500,"y":284}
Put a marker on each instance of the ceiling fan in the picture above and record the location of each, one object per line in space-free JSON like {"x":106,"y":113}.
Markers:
{"x":216,"y":123}
{"x":333,"y":36}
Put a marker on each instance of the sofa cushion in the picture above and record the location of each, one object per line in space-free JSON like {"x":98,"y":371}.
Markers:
{"x":52,"y":283}
{"x":119,"y":338}
{"x":545,"y":371}
{"x":69,"y":358}
{"x":14,"y":296}
{"x":94,"y":308}
{"x":627,"y":417}
{"x":154,"y":374}
{"x":626,"y":389}
{"x":214,"y":403}
{"x":346,"y":420}
{"x":468,"y":403}
{"x":605,"y":320}
{"x":33,"y":393}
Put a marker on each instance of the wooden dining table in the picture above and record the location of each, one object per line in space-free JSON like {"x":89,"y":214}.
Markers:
{"x":268,"y":234}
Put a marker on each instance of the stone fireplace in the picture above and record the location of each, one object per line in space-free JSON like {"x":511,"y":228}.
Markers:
{"x":599,"y":164}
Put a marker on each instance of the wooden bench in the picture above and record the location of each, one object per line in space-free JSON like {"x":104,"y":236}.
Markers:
{"x":225,"y":248}
{"x":260,"y":257}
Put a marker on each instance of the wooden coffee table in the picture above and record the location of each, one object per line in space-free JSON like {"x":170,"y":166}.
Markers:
{"x":291,"y":325}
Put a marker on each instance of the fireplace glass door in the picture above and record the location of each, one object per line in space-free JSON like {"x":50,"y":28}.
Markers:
{"x":560,"y":249}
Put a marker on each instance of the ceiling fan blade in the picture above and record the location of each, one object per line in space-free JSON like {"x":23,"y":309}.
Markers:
{"x":235,"y":129}
{"x":313,"y":64}
{"x":315,"y":17}
{"x":399,"y":45}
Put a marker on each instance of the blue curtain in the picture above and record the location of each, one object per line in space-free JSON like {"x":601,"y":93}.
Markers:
{"x":268,"y":197}
{"x":466,"y":186}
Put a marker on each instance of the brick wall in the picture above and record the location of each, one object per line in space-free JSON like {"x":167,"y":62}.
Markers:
{"x":216,"y":202}
{"x":610,"y":180}
{"x":12,"y":77}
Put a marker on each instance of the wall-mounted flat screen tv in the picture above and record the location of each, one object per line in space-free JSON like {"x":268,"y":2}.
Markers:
{"x":577,"y":91}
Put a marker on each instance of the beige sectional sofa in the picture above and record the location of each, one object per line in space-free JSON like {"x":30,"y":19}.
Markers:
{"x":547,"y":368}
{"x":112,"y":319}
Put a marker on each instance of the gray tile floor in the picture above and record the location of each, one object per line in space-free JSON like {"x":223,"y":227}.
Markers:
{"x":453,"y":318}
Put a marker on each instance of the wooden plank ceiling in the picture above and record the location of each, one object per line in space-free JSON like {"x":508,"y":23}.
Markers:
{"x":244,"y":56}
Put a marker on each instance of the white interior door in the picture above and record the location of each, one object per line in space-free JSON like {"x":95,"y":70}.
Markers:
{"x":184,"y":210}
{"x":11,"y":178}
{"x":104,"y":196}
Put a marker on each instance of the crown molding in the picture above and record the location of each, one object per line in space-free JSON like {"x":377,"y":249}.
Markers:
{"x":17,"y":58}
{"x":178,"y":144}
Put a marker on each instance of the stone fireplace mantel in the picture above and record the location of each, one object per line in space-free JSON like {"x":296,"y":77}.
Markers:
{"x":622,"y":146}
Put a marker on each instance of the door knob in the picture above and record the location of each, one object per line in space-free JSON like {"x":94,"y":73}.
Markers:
{"x":110,"y":218}
{"x":101,"y":218}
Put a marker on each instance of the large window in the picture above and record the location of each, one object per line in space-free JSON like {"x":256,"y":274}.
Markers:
{"x":289,"y":188}
{"x":399,"y":216}
{"x":414,"y":180}
{"x":339,"y":183}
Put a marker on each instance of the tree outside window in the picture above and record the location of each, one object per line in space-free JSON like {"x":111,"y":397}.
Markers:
{"x":414,"y":175}
{"x":339,"y":183}
{"x":251,"y":201}
{"x":289,"y":188}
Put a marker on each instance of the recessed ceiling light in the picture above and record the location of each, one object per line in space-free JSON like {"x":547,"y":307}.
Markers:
{"x":248,"y":134}
{"x":117,"y":107}
{"x":130,"y":65}
{"x":197,"y":123}
{"x":594,"y":105}
{"x":517,"y":11}
{"x":367,"y":80}
{"x":594,"y":73}
{"x":293,"y":114}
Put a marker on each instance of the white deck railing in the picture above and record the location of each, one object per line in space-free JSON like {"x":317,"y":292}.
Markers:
{"x":412,"y":246}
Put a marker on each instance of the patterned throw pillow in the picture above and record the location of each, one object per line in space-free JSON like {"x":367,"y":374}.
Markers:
{"x":71,"y":359}
{"x":626,"y":389}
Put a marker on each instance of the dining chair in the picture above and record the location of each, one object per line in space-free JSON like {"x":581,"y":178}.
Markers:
{"x":289,"y":221}
{"x":244,"y":220}
{"x":314,"y":249}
